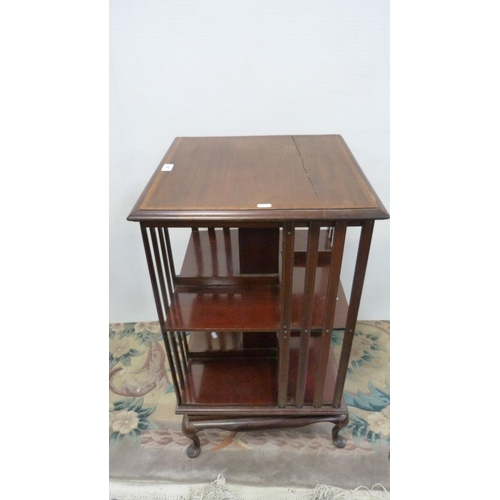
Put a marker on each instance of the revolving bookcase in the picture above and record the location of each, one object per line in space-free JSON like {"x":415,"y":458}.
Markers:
{"x":248,"y":318}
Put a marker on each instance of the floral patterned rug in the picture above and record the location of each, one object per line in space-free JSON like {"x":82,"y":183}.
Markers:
{"x":146,"y":441}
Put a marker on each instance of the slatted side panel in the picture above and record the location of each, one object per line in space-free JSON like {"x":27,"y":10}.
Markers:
{"x":308,"y":385}
{"x":160,"y":262}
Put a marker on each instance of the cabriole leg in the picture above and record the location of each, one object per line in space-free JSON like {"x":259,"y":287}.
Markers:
{"x":194,"y":449}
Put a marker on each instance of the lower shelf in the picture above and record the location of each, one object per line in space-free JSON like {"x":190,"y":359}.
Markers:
{"x":233,"y":344}
{"x":247,"y":384}
{"x":228,"y":382}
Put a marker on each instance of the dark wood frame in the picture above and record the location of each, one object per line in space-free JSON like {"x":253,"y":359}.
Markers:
{"x":270,"y":363}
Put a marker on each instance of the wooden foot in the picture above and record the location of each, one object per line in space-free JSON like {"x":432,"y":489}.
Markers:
{"x":194,"y":449}
{"x":338,"y":440}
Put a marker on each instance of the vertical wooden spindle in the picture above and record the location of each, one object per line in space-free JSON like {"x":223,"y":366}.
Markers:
{"x":286,"y":284}
{"x":307,"y":310}
{"x":352,"y":313}
{"x":336,"y":255}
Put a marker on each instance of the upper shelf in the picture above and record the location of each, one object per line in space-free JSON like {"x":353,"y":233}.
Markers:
{"x":232,"y":308}
{"x":243,"y":308}
{"x":215,"y":253}
{"x":212,"y":258}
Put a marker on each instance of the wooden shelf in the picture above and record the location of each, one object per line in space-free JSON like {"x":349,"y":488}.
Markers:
{"x":232,"y":344}
{"x":225,"y":382}
{"x":235,"y":302}
{"x":236,"y":308}
{"x":245,"y":308}
{"x":214,"y":254}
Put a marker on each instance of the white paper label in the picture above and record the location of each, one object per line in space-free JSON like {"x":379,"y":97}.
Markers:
{"x":214,"y":335}
{"x":167,"y":167}
{"x":264,"y":205}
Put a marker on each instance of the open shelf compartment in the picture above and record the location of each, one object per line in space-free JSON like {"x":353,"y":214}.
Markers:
{"x":210,"y":293}
{"x":251,"y":381}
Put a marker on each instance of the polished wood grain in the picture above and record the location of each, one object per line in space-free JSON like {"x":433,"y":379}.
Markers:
{"x":224,"y":178}
{"x":231,"y":173}
{"x":245,"y":308}
{"x":250,"y":308}
{"x":234,"y":381}
{"x":335,"y":175}
{"x":217,"y":381}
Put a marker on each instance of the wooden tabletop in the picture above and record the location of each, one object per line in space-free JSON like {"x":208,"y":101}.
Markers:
{"x":305,"y":177}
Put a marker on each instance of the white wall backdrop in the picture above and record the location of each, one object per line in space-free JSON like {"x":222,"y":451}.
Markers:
{"x":249,"y":67}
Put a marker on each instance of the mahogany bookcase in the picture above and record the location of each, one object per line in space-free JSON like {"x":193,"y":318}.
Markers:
{"x":248,"y":319}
